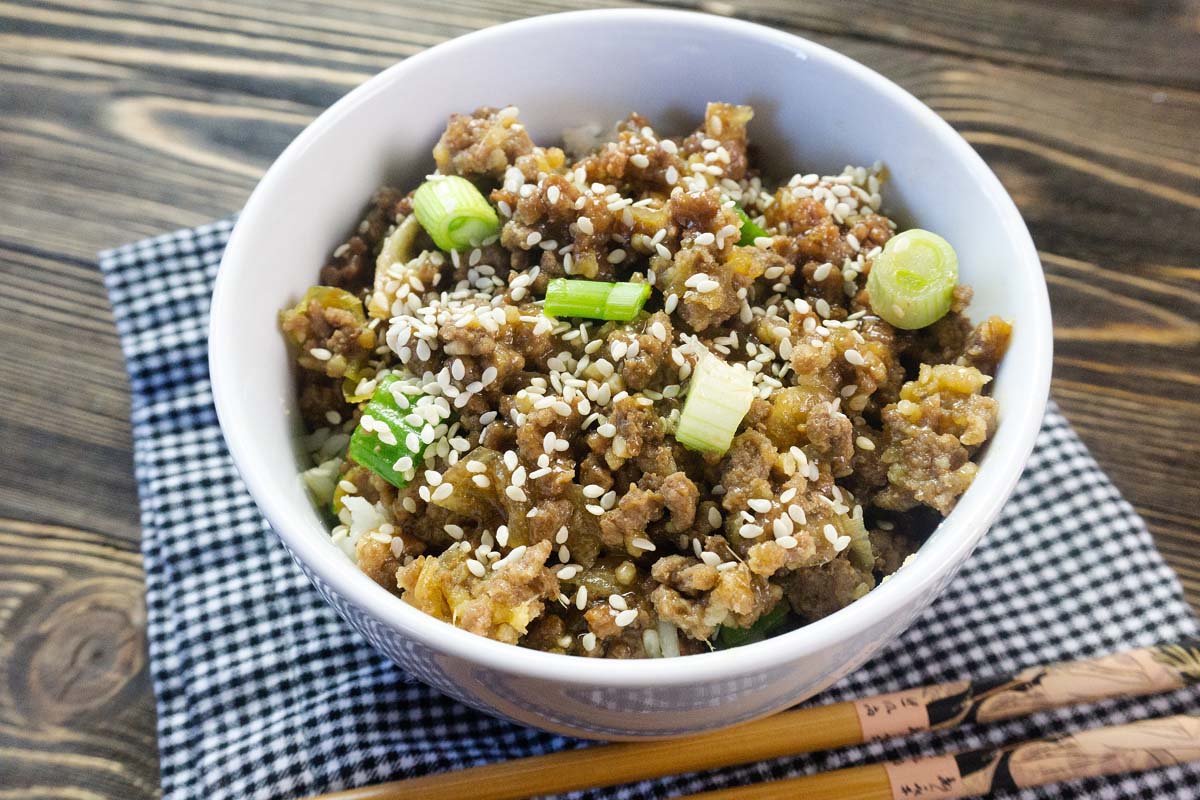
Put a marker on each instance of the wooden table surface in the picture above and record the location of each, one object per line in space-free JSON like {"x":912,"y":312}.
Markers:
{"x":120,"y":119}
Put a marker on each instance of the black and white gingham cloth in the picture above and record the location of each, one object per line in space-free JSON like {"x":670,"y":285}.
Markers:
{"x":263,"y":692}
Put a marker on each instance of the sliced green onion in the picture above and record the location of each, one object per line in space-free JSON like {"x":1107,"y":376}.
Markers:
{"x":761,"y":629}
{"x":379,"y":451}
{"x":750,"y":231}
{"x":453,"y":212}
{"x":595,"y":299}
{"x":719,"y":396}
{"x":912,"y":281}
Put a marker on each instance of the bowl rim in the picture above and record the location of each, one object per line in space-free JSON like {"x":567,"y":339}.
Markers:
{"x":941,"y":554}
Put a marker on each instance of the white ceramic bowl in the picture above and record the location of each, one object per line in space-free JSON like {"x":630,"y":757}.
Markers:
{"x":815,"y":111}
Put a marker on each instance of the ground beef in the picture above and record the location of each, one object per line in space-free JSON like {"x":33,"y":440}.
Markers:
{"x":639,"y":428}
{"x":745,"y":470}
{"x":376,"y":557}
{"x":932,"y":431}
{"x":890,"y":549}
{"x":500,"y":605}
{"x":942,"y":342}
{"x":642,"y":370}
{"x":318,"y":397}
{"x":634,"y":512}
{"x":699,"y":598}
{"x":632,"y":159}
{"x":831,"y":435}
{"x":345,"y":337}
{"x":817,"y":592}
{"x":482,"y":144}
{"x":352,"y":266}
{"x":547,"y":633}
{"x":986,"y":345}
{"x":680,"y":496}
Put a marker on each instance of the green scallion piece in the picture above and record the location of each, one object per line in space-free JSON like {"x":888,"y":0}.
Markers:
{"x":750,"y":231}
{"x":381,"y":450}
{"x":911,"y":283}
{"x":595,"y":299}
{"x":454,"y":213}
{"x":765,"y":625}
{"x":719,"y":396}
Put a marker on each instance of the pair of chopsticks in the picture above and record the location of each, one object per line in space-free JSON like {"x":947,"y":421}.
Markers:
{"x":1100,"y":751}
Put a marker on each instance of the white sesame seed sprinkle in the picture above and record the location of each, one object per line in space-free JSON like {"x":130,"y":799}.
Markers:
{"x":626,"y":618}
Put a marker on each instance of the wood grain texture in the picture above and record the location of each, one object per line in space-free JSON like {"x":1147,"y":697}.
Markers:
{"x":123,"y":119}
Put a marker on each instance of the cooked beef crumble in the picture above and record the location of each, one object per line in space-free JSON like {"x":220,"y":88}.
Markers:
{"x":554,"y":506}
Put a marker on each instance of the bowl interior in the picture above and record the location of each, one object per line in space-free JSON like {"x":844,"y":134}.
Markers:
{"x":815,"y":112}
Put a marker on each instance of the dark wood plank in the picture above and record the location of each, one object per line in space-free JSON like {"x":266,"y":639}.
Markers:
{"x":125,"y":118}
{"x":1139,"y":40}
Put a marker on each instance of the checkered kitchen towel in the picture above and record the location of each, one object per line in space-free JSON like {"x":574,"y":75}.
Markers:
{"x":263,"y":692}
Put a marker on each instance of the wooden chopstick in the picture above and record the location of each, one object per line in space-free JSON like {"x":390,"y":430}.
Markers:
{"x":1134,"y":747}
{"x":1127,"y":674}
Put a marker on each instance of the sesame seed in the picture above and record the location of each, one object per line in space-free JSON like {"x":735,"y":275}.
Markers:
{"x":787,"y":542}
{"x":581,"y":598}
{"x":639,"y":160}
{"x":822,"y":272}
{"x":865,"y":443}
{"x":320,"y":353}
{"x":714,"y":517}
{"x":759,"y":504}
{"x":710,"y":558}
{"x":643,"y":544}
{"x":585,"y":225}
{"x":617,"y":602}
{"x":589,"y":640}
{"x":855,"y":358}
{"x":442,"y":492}
{"x":626,"y":618}
{"x":516,"y":493}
